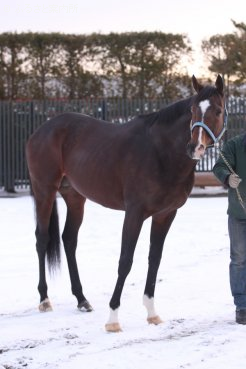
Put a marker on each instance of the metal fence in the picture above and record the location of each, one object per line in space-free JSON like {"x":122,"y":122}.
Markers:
{"x":18,"y":119}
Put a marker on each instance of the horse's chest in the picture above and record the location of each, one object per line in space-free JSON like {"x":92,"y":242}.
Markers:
{"x":171,"y":196}
{"x":178,"y":195}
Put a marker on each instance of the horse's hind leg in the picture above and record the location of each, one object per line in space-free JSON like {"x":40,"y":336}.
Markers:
{"x":159,"y":229}
{"x":47,"y":238}
{"x":75,"y":211}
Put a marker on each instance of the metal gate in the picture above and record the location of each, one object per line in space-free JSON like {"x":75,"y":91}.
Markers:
{"x":18,"y":119}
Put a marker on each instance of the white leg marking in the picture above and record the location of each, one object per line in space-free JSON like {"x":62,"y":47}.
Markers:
{"x":149,"y":304}
{"x":152,"y":317}
{"x":45,"y":306}
{"x":113,"y":324}
{"x":113,"y":316}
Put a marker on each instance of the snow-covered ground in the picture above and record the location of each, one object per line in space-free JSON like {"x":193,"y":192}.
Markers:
{"x":192,"y":295}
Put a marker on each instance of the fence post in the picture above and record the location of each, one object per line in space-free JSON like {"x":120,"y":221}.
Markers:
{"x":9,"y":147}
{"x":104,"y":111}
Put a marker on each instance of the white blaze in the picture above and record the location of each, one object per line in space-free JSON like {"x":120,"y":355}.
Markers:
{"x":204,"y":106}
{"x":200,"y":147}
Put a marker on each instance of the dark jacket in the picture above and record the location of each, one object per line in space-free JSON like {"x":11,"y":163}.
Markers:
{"x":234,"y":151}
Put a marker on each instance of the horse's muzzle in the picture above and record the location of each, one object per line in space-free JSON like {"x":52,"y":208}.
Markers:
{"x":195,"y":152}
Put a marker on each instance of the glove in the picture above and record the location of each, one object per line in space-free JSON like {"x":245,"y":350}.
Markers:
{"x":234,"y":180}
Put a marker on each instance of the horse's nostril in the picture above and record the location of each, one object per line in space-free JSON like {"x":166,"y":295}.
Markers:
{"x":190,"y":149}
{"x":195,"y":151}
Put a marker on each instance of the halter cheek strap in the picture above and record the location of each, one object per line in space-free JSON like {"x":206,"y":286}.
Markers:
{"x":208,"y":130}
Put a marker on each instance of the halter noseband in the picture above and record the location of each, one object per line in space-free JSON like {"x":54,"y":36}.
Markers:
{"x":208,"y":130}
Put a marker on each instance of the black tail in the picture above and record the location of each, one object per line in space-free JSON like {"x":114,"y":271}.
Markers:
{"x":53,"y":249}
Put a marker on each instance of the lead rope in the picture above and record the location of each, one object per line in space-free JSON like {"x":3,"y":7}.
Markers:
{"x":233,"y":172}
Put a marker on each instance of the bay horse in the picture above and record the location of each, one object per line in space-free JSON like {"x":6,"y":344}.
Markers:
{"x":144,"y":167}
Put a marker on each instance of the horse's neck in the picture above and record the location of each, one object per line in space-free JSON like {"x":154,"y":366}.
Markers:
{"x":181,"y":130}
{"x":175,"y":134}
{"x":170,"y":139}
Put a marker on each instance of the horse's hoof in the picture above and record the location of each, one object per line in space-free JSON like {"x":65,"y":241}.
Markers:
{"x":113,"y":327}
{"x":85,"y":306}
{"x":45,"y":306}
{"x":155,"y":320}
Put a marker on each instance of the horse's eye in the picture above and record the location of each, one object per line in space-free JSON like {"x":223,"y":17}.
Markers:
{"x":218,"y":112}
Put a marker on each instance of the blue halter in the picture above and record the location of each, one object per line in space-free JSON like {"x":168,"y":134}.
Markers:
{"x":208,"y":130}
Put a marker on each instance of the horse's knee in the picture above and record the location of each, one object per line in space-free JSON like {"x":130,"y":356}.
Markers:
{"x":124,"y":266}
{"x":154,"y":263}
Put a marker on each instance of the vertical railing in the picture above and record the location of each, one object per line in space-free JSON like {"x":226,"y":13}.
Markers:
{"x":19,"y":119}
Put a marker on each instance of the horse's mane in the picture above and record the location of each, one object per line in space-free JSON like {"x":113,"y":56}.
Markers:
{"x":176,"y":109}
{"x":168,"y":114}
{"x":173,"y":111}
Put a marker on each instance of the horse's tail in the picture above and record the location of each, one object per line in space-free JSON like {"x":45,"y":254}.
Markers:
{"x":53,"y":247}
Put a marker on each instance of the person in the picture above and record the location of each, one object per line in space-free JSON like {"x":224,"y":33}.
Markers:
{"x":230,"y":169}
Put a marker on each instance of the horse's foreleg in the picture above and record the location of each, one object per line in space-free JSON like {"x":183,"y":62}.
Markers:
{"x":75,"y":210}
{"x":159,"y":229}
{"x":131,"y":229}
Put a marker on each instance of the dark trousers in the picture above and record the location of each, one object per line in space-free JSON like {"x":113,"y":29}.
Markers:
{"x":237,"y":234}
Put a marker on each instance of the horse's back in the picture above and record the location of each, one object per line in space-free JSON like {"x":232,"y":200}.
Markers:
{"x":66,"y":125}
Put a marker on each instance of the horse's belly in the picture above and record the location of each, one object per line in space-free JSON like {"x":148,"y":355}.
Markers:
{"x":106,"y":200}
{"x":173,"y":198}
{"x":104,"y":192}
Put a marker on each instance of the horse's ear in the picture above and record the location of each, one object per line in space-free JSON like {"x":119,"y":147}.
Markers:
{"x":197,"y":86}
{"x":219,"y":84}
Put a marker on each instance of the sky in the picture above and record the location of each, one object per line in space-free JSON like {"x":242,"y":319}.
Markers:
{"x":198,"y":20}
{"x":192,"y":295}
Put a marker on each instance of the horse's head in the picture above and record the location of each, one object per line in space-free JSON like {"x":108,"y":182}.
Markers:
{"x":209,"y":117}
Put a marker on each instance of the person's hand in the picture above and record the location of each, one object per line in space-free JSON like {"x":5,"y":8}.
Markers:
{"x":234,"y":180}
